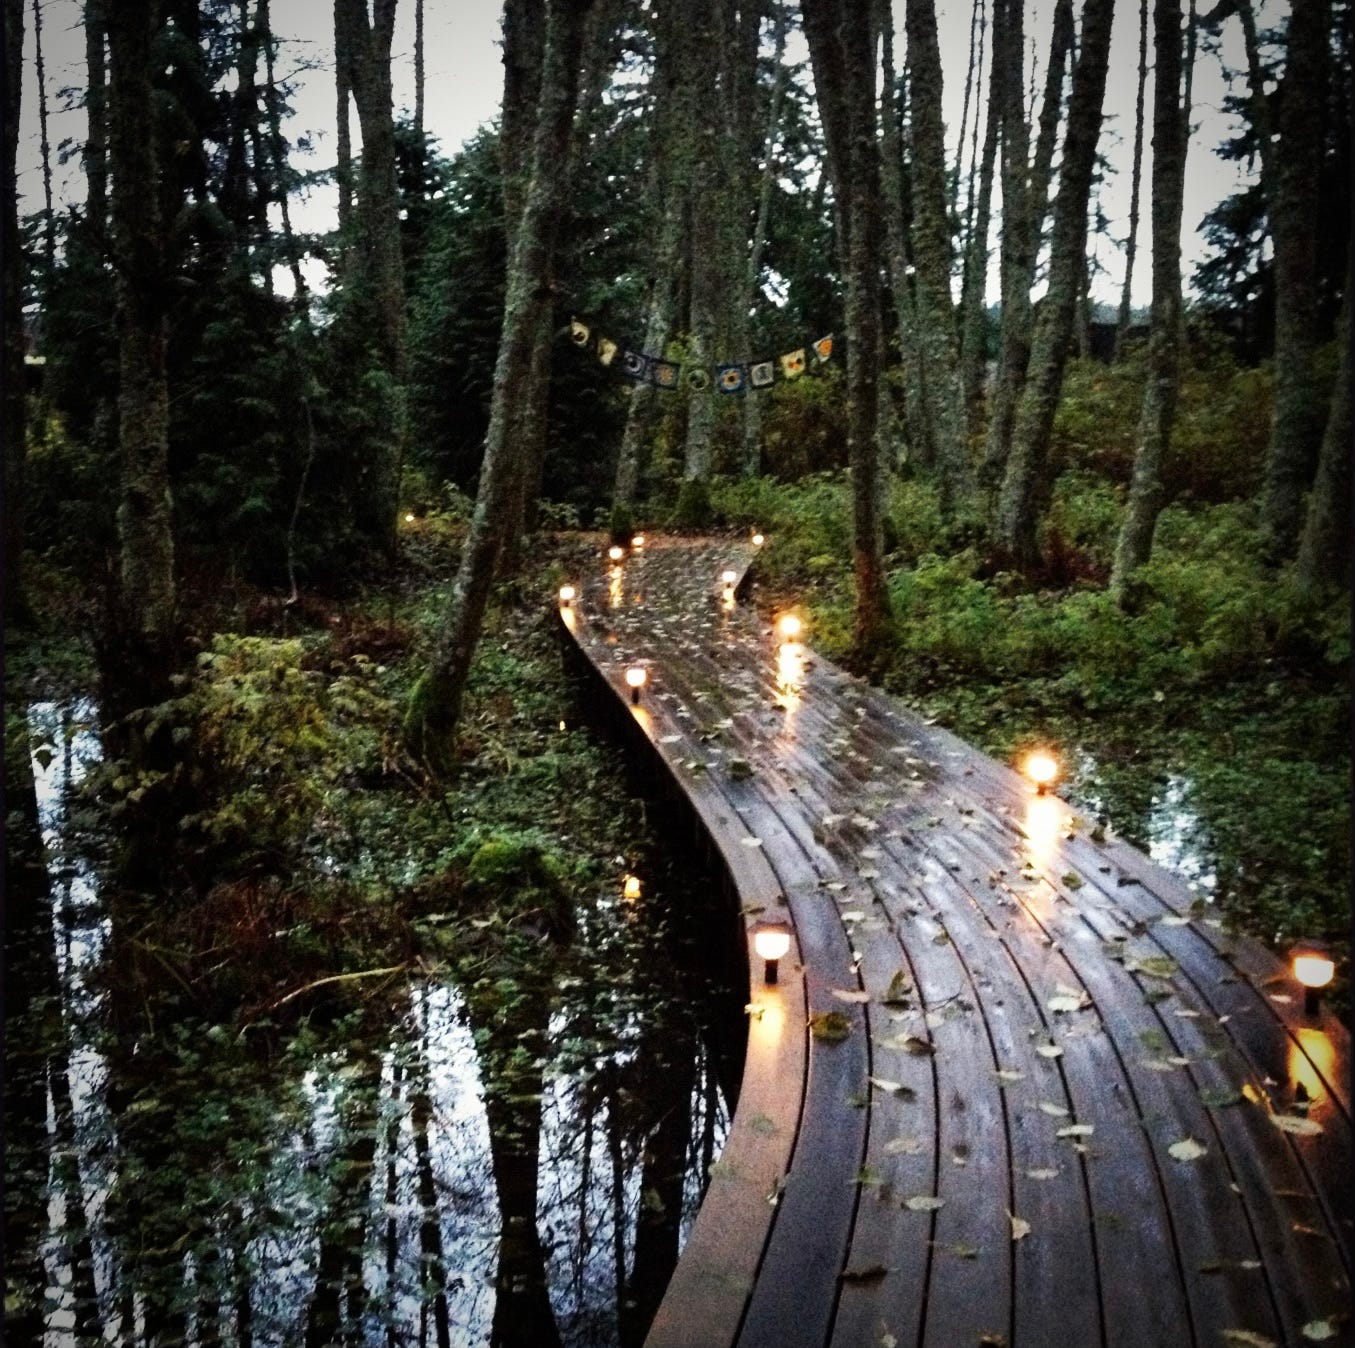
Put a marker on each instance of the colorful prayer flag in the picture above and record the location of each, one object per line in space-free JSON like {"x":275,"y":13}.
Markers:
{"x":607,"y":349}
{"x":578,"y":332}
{"x":697,"y":379}
{"x":634,"y":364}
{"x":823,"y":348}
{"x":663,"y":373}
{"x":793,"y":364}
{"x":762,"y":374}
{"x":731,"y":377}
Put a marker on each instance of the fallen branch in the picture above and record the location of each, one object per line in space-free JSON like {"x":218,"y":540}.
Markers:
{"x":337,"y":978}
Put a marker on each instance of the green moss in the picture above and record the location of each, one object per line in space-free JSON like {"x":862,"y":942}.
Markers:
{"x":693,"y":510}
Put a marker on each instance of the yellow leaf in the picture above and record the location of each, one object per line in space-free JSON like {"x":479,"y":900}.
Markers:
{"x":1020,"y":1227}
{"x":1293,"y":1123}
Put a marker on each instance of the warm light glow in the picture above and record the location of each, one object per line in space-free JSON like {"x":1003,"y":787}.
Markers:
{"x":1312,"y":1061}
{"x":409,"y":517}
{"x":635,"y":676}
{"x":567,"y":617}
{"x":566,"y":595}
{"x":1043,"y":823}
{"x":729,"y":577}
{"x":1041,"y":769}
{"x":1313,"y":970}
{"x":616,"y":553}
{"x":615,"y":588}
{"x":630,"y":887}
{"x":638,"y":542}
{"x":771,"y":941}
{"x":727,"y":600}
{"x":758,"y":540}
{"x":789,"y":626}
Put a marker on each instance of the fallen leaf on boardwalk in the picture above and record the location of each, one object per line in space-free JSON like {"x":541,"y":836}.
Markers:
{"x":892,"y":1087}
{"x":861,"y":822}
{"x":1008,"y":1074}
{"x":754,"y":1009}
{"x":751,"y":842}
{"x":992,"y":1341}
{"x":1187,"y":1149}
{"x":962,"y":1251}
{"x":1184,"y":1013}
{"x":1050,"y":1108}
{"x":1250,"y":1337}
{"x":836,"y":886}
{"x":853,"y":915}
{"x":1077,"y":1130}
{"x":1155,"y":966}
{"x":897,"y":991}
{"x":873,"y":1273}
{"x":1317,"y":1330}
{"x":905,"y":1146}
{"x":850,"y":995}
{"x":1073,"y":880}
{"x":923,"y":1203}
{"x":831,"y":820}
{"x":1292,"y":1123}
{"x":669,"y":739}
{"x":1066,"y":1001}
{"x":887,"y":1340}
{"x":1160,"y":1064}
{"x":830,"y":1027}
{"x":1174,"y":920}
{"x":1020,"y":1227}
{"x":867,"y":1175}
{"x":1049,"y":1050}
{"x":910,"y":1043}
{"x":1042,"y":1173}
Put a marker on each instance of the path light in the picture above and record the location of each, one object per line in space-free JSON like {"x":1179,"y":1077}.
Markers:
{"x":616,"y":552}
{"x":566,"y":595}
{"x":771,"y":940}
{"x":630,"y":887}
{"x":758,"y":540}
{"x":636,"y":677}
{"x":1313,"y":967}
{"x":1042,"y":769}
{"x":789,"y":626}
{"x":409,"y":517}
{"x":729,"y":577}
{"x":638,"y":542}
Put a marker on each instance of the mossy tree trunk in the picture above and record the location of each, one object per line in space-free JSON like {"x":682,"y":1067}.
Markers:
{"x":96,"y":117}
{"x":1136,"y":182}
{"x":1146,"y":498}
{"x":1024,"y":480}
{"x":1294,"y":205}
{"x":842,"y":49}
{"x":938,"y":345}
{"x":436,"y":702}
{"x":1022,"y":225}
{"x":14,"y":403}
{"x":145,"y":511}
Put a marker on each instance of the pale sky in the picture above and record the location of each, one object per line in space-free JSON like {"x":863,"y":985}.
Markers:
{"x":465,"y":84}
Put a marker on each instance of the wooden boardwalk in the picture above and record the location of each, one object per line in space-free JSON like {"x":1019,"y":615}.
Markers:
{"x":1086,"y":1115}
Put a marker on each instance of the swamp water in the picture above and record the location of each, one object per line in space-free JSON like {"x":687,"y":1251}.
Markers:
{"x":443,"y":1179}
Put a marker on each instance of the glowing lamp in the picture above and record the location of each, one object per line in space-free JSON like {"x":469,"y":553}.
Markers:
{"x":771,"y":940}
{"x":409,"y":517}
{"x":789,"y":626}
{"x":1041,"y":769}
{"x":758,"y":540}
{"x":616,"y":553}
{"x":630,"y":887}
{"x":636,"y":677}
{"x":638,"y":542}
{"x":1313,"y":967}
{"x":566,"y":595}
{"x":729,"y":577}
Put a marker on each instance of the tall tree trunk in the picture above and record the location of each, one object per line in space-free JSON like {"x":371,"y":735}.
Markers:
{"x":1324,"y":546}
{"x":436,"y":702}
{"x":15,"y":605}
{"x":973,"y":292}
{"x":45,"y":147}
{"x":418,"y":74}
{"x":145,"y":515}
{"x":96,"y":114}
{"x":1014,"y":354}
{"x":1164,"y":343}
{"x":1296,"y":424}
{"x":343,"y":137}
{"x":277,"y":149}
{"x":970,"y":80}
{"x":1016,"y":522}
{"x":963,"y":228}
{"x":378,"y":275}
{"x":842,"y":50}
{"x":1131,"y":244}
{"x":942,"y":396}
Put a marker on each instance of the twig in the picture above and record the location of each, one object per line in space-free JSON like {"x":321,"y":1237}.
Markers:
{"x":337,"y":978}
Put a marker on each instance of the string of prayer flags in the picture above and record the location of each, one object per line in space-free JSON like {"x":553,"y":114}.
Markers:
{"x":729,"y":377}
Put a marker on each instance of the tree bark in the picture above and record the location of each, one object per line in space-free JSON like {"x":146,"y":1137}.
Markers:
{"x":969,"y":81}
{"x":842,"y":50}
{"x":943,"y":403}
{"x":1131,"y":244}
{"x":343,"y":138}
{"x":277,"y":149}
{"x":1135,"y":544}
{"x":1324,"y":547}
{"x":145,"y":515}
{"x":45,"y":147}
{"x":15,"y":413}
{"x":1016,"y":522}
{"x":436,"y":702}
{"x":1296,"y":423}
{"x":975,"y":285}
{"x":96,"y":114}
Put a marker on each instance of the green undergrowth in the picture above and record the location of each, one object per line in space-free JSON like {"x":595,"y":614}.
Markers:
{"x":1209,"y":721}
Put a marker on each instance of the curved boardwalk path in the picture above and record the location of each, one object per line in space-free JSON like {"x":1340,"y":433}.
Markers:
{"x":987,"y":1157}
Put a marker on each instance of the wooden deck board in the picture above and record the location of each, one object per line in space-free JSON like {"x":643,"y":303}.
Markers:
{"x":895,"y":846}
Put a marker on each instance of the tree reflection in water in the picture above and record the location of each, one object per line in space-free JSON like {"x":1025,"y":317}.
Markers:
{"x":515,"y":1171}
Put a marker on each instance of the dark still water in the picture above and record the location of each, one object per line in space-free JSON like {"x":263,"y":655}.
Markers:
{"x":449,"y":1177}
